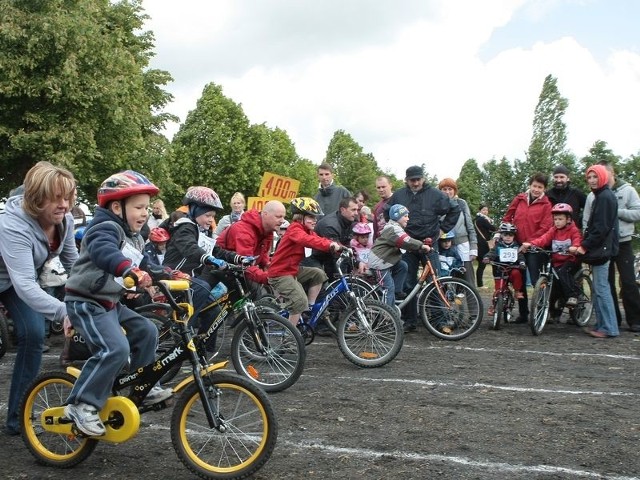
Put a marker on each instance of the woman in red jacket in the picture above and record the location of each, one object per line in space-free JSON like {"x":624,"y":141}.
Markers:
{"x":285,"y":274}
{"x":530,"y":212}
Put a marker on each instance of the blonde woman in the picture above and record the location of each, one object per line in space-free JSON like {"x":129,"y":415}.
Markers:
{"x":237,"y":204}
{"x":158,"y":214}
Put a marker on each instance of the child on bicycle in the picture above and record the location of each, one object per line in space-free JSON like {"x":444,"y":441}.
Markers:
{"x":285,"y":274}
{"x":361,"y":241}
{"x":157,"y":244}
{"x":450,"y":260}
{"x":111,"y":249}
{"x":385,"y":259}
{"x":507,"y":251}
{"x":563,"y":238}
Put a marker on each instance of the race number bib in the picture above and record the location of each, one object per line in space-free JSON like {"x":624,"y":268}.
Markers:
{"x":508,"y":255}
{"x":206,"y":243}
{"x":132,"y":254}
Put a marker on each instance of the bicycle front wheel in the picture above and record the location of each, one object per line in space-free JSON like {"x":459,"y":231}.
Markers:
{"x":371,"y":345}
{"x":247,"y":434}
{"x":499,"y":313}
{"x":53,"y":449}
{"x":273,"y":356}
{"x":341,"y":302}
{"x":581,"y":313}
{"x":450,"y":309}
{"x":540,"y":305}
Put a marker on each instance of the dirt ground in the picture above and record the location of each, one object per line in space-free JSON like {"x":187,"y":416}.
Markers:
{"x":499,"y":404}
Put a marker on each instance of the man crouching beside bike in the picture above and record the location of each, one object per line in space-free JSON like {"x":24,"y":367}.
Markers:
{"x":111,"y":249}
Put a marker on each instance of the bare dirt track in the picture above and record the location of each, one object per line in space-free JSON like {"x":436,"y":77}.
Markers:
{"x":499,"y":404}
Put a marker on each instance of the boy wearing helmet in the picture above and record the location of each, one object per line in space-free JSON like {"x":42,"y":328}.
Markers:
{"x":285,"y":274}
{"x":157,"y":244}
{"x":386,"y":260}
{"x":564,"y":237}
{"x":507,"y":251}
{"x":111,"y":249}
{"x":450,"y":259}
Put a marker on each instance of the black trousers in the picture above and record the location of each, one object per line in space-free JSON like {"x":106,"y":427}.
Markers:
{"x":628,"y":287}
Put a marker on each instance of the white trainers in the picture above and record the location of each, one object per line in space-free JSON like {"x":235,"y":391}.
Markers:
{"x":157,"y":394}
{"x":571,"y":302}
{"x":86,"y":418}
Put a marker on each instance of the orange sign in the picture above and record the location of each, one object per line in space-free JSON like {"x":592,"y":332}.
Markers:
{"x":257,"y":203}
{"x":277,"y":187}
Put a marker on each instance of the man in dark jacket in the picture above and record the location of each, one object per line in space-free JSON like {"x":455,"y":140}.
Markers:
{"x":329,"y":194}
{"x":427,"y":205}
{"x":563,"y":192}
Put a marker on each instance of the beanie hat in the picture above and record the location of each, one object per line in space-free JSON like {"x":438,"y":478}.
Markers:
{"x":448,"y":182}
{"x":414,"y":172}
{"x":561,"y":169}
{"x":396,"y":212}
{"x":196,"y":210}
{"x":602,"y":173}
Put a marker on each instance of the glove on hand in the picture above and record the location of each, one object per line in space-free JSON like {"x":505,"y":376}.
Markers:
{"x":247,"y":261}
{"x":142,"y":278}
{"x":215,"y":262}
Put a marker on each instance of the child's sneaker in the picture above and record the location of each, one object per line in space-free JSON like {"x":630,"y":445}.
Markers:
{"x":571,"y":302}
{"x":156,"y":395}
{"x":86,"y":418}
{"x":491,"y":311}
{"x":519,"y":295}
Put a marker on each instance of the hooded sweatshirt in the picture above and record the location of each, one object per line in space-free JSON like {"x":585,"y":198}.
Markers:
{"x":628,"y":208}
{"x":24,"y":248}
{"x":602,"y":227}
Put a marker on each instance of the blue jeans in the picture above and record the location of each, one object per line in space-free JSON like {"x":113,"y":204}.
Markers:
{"x":413,"y":261}
{"x":201,"y":322}
{"x":392,"y":279}
{"x":29,"y":328}
{"x":606,"y":321}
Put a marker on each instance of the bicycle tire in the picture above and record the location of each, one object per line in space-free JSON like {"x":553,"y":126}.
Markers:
{"x":462,"y":312}
{"x":280,"y":364}
{"x":4,"y":334}
{"x":248,"y":440}
{"x":540,"y":305}
{"x":48,"y":390}
{"x":499,"y":314}
{"x":341,"y":302}
{"x":582,"y":312}
{"x":373,"y":347}
{"x":167,"y":340}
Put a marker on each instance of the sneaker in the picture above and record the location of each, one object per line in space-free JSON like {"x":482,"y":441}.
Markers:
{"x":156,"y":395}
{"x":86,"y":418}
{"x":571,"y":302}
{"x":519,"y":295}
{"x":491,"y":311}
{"x":447,"y":330}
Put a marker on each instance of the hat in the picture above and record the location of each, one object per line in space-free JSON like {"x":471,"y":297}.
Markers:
{"x":601,"y":172}
{"x":561,"y":169}
{"x":448,"y":182}
{"x":396,"y":212}
{"x":414,"y":172}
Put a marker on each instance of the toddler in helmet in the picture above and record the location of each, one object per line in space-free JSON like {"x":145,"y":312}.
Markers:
{"x":450,"y":260}
{"x":507,"y":251}
{"x":157,"y":244}
{"x":285,"y":274}
{"x":361,"y":241}
{"x":564,"y":238}
{"x":111,"y":249}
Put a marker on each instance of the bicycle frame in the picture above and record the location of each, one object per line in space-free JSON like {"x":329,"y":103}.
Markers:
{"x":428,"y":272}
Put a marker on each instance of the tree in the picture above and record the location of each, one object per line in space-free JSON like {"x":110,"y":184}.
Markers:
{"x":498,"y":186}
{"x":548,"y":142}
{"x":470,"y":184}
{"x":74,"y":90}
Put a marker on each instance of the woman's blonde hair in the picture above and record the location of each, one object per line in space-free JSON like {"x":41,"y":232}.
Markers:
{"x":163,"y":211}
{"x":237,"y":196}
{"x":45,"y":181}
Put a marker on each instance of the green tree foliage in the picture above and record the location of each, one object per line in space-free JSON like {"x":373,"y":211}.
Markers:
{"x":353,"y":168}
{"x":548,"y":142}
{"x":74,"y":90}
{"x":498,"y":186}
{"x":470,"y":184}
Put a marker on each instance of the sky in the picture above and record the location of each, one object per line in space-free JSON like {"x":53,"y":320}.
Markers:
{"x":433,"y":82}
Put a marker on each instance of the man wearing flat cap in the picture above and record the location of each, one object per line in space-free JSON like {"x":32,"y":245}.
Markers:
{"x":426,"y":205}
{"x":563,"y":192}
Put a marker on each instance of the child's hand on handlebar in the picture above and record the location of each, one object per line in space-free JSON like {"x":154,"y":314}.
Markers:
{"x":335,"y":247}
{"x":140,"y":278}
{"x":215,"y":262}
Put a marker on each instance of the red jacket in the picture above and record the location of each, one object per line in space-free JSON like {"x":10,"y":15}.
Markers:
{"x":531,"y":219}
{"x":560,"y":240}
{"x":247,"y":237}
{"x":290,"y":251}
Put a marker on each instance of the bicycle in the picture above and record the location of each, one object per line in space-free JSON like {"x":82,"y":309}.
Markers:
{"x":266,"y":348}
{"x":450,"y":307}
{"x":369,"y":332}
{"x":503,"y":299}
{"x":222,"y":425}
{"x":580,"y":314}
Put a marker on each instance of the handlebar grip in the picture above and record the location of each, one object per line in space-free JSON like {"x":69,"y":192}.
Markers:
{"x":128,"y":282}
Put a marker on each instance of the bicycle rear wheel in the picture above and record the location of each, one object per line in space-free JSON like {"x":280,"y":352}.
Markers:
{"x":373,"y":345}
{"x":540,"y":305}
{"x":277,"y":360}
{"x":53,"y":449}
{"x":452,"y":312}
{"x":340,"y":303}
{"x":581,"y":313}
{"x":247,"y":435}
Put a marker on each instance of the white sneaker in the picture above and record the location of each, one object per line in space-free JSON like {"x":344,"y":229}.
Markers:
{"x":157,"y":394}
{"x":86,"y":418}
{"x":571,"y":302}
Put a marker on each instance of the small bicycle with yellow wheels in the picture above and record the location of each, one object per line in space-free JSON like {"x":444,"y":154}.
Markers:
{"x":222,"y":426}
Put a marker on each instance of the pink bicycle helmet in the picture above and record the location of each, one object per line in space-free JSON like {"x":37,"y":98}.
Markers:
{"x":562,"y":208}
{"x":124,"y":184}
{"x":361,"y":228}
